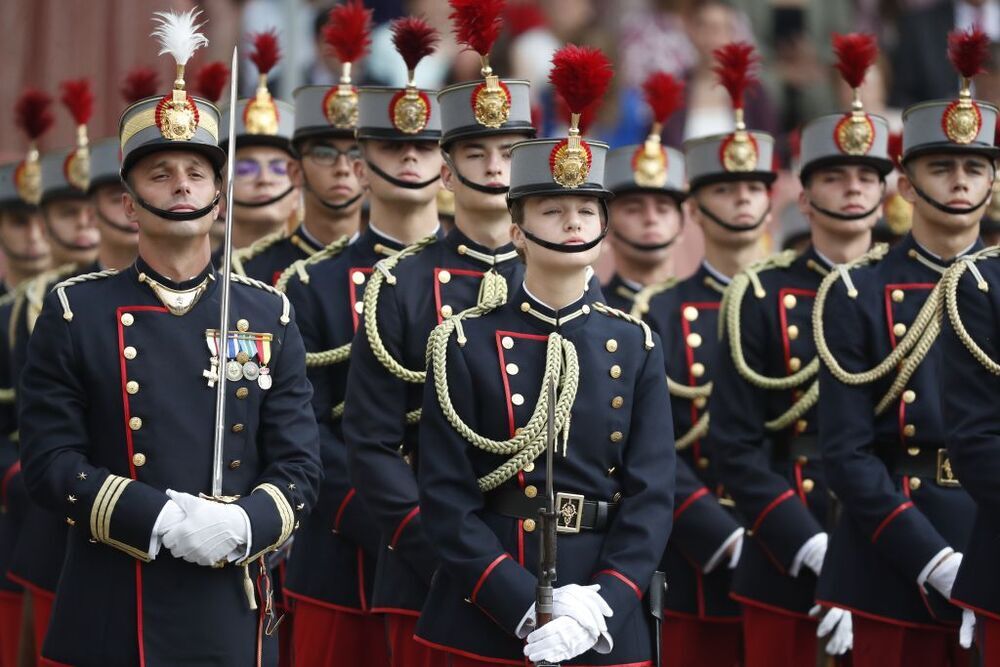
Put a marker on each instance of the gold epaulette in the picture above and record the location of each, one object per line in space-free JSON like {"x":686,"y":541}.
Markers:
{"x":949,"y":283}
{"x":640,"y":304}
{"x":300,"y":267}
{"x":285,"y":306}
{"x":242,"y":255}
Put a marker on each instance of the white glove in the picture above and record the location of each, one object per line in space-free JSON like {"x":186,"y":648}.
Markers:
{"x":169,"y":516}
{"x":967,"y":632}
{"x":581,"y":603}
{"x":730,"y":551}
{"x":839,"y":625}
{"x":559,"y":640}
{"x":811,"y":555}
{"x":210,"y":532}
{"x":942,"y":577}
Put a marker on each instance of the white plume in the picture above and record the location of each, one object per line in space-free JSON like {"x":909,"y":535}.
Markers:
{"x":178,"y":34}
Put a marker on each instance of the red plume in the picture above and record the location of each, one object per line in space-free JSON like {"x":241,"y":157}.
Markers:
{"x":348,"y":30}
{"x":477,"y":23}
{"x":968,"y":51}
{"x":266,"y":50}
{"x":522,"y":17}
{"x":895,"y":148}
{"x":79,"y":99}
{"x":581,"y":75}
{"x":855,"y":52}
{"x":795,"y":143}
{"x":140,"y":83}
{"x":415,"y":39}
{"x":733,"y":63}
{"x":211,"y":79}
{"x":664,"y":95}
{"x":33,"y":113}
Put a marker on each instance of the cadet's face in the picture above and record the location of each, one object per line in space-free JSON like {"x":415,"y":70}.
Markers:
{"x":647,"y":219}
{"x":485,"y":161}
{"x":850,"y":190}
{"x":328,"y":165}
{"x":22,"y":236}
{"x":72,"y":230}
{"x":739,"y":203}
{"x":959,"y":181}
{"x":410,"y":161}
{"x":115,"y":226}
{"x":259,"y":175}
{"x":177,"y":181}
{"x":566,"y":219}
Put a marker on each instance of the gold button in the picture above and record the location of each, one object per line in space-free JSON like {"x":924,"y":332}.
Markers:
{"x":585,"y":309}
{"x":802,"y":460}
{"x":789,"y":301}
{"x":898,"y":295}
{"x":914,"y":483}
{"x":530,"y":491}
{"x":378,"y":248}
{"x":808,"y":485}
{"x":237,"y":428}
{"x":801,"y":425}
{"x":358,"y":278}
{"x":909,"y":430}
{"x":135,"y":423}
{"x":242,"y":392}
{"x":138,"y":459}
{"x":528,"y":525}
{"x":129,"y":352}
{"x":794,"y":364}
{"x":235,"y":464}
{"x":512,"y":369}
{"x":242,"y":325}
{"x":70,"y":521}
{"x":462,"y":249}
{"x":529,"y":466}
{"x":909,"y":396}
{"x":697,"y":369}
{"x":703,"y":463}
{"x":127,"y":319}
{"x":359,"y":306}
{"x":700,"y":402}
{"x":444,"y":276}
{"x":507,"y":342}
{"x":618,"y":496}
{"x":616,"y":436}
{"x":517,"y":399}
{"x":793,"y":332}
{"x":913,"y":451}
{"x":615,"y":371}
{"x":132,"y":387}
{"x":694,"y":340}
{"x":617,"y":402}
{"x":525,"y":306}
{"x":611,"y":345}
{"x":690,"y":313}
{"x":445,"y":310}
{"x":898,"y":329}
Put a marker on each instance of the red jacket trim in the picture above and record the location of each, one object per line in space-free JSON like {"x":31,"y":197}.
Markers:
{"x":625,"y":580}
{"x":482,"y":578}
{"x":397,"y":611}
{"x":8,"y":475}
{"x":992,"y":615}
{"x":772,"y":608}
{"x":402,"y":524}
{"x":700,"y":493}
{"x":353,"y":290}
{"x":892,"y":515}
{"x":504,"y":661}
{"x":888,"y":619}
{"x":770,"y":507}
{"x":343,"y":506}
{"x":124,"y":379}
{"x":305,"y":599}
{"x":437,"y":285}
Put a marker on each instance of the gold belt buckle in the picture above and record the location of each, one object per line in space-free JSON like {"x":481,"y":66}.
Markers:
{"x":945,"y":474}
{"x":569,"y":512}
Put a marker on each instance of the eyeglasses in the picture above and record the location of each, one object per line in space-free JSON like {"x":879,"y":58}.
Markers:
{"x":252,"y":168}
{"x":327,"y":156}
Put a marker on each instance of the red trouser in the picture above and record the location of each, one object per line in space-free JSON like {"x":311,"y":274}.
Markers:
{"x":404,"y":650}
{"x":690,"y":642}
{"x":41,"y":606}
{"x":988,"y":636}
{"x":880,"y":644}
{"x":325,"y":637}
{"x":774,"y":639}
{"x":10,"y":626}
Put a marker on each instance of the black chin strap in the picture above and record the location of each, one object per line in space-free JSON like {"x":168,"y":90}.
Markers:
{"x":401,"y":184}
{"x":113,"y":225}
{"x":63,"y":244}
{"x":849,"y":217}
{"x":485,"y":189}
{"x":649,"y":247}
{"x":266,"y":202}
{"x":18,"y":257}
{"x":176,"y":216}
{"x":731,"y":227}
{"x":330,"y":205}
{"x":951,"y":210}
{"x":566,"y":247}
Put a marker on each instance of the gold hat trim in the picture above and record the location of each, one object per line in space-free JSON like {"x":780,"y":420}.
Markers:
{"x":147,"y":118}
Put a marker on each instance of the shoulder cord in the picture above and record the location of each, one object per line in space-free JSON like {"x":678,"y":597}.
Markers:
{"x":75,"y":280}
{"x":241,"y":255}
{"x":951,"y":281}
{"x":286,"y":308}
{"x":640,"y":304}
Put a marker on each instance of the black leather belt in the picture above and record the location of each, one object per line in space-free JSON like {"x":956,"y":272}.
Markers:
{"x":925,"y":463}
{"x":573,"y":511}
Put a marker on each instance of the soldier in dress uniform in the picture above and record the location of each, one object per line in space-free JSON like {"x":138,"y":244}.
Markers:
{"x":730,"y":177}
{"x":405,"y":297}
{"x":648,"y":181}
{"x":763,"y":405}
{"x":118,"y":411}
{"x":323,"y":167}
{"x":893,"y":557}
{"x":483,"y":437}
{"x":332,"y":568}
{"x":264,"y":198}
